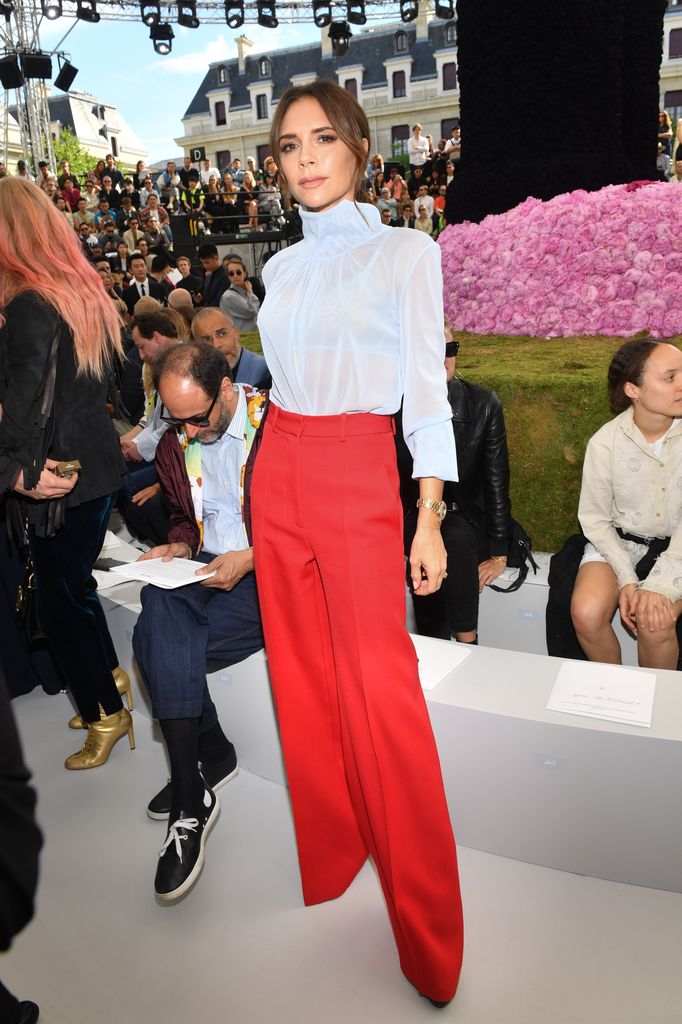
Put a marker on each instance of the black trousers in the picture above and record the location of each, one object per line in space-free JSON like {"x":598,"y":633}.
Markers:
{"x":70,"y":611}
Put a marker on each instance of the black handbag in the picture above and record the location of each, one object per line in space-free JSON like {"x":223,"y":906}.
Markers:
{"x":519,"y":557}
{"x":27,"y":602}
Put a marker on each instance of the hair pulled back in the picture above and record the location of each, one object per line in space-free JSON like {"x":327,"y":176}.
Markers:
{"x":627,"y":367}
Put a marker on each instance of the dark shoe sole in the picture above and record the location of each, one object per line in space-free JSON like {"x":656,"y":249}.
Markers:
{"x":169,"y":897}
{"x":163,"y":815}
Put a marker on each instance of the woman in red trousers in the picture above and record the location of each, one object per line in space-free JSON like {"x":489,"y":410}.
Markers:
{"x":353,"y":324}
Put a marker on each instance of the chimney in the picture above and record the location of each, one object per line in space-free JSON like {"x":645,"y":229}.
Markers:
{"x":424,"y":17}
{"x":243,"y":47}
{"x":326,"y":42}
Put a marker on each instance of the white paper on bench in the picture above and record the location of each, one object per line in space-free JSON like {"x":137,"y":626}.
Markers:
{"x":437,"y":660}
{"x":168,"y":575}
{"x":609,"y":692}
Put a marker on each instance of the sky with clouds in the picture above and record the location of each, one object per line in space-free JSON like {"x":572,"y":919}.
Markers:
{"x":116,"y":62}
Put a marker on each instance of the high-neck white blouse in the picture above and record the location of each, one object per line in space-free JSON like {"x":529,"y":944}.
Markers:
{"x":353,"y":321}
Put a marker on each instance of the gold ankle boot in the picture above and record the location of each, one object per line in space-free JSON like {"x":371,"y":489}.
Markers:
{"x":122,"y":680}
{"x":101,"y":738}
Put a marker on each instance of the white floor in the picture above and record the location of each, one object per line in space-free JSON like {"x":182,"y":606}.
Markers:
{"x":542,"y":946}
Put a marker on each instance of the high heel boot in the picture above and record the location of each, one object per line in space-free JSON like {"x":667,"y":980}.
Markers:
{"x":122,"y":680}
{"x":101,"y":738}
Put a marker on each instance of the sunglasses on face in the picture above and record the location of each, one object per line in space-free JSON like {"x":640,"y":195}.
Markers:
{"x":194,"y":421}
{"x":451,"y":349}
{"x":235,"y":273}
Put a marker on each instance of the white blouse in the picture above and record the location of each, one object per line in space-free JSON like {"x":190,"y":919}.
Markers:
{"x":353,"y":321}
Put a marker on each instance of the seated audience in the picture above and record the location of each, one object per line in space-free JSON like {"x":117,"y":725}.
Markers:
{"x":215,"y":280}
{"x":238,"y":299}
{"x":142,"y":284}
{"x":478,"y":523}
{"x":630,"y":512}
{"x":215,"y":327}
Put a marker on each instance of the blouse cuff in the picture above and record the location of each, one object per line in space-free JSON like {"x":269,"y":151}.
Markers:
{"x":433,"y":451}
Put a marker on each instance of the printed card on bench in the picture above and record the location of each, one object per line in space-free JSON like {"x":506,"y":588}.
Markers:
{"x":609,"y":692}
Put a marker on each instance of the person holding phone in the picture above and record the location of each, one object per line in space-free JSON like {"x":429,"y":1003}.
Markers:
{"x":59,"y":338}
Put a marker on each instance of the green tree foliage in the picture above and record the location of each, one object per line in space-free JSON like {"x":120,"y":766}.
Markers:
{"x":67,"y":147}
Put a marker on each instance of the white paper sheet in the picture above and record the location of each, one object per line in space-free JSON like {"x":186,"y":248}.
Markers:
{"x":437,"y":660}
{"x":609,"y":692}
{"x":168,"y":575}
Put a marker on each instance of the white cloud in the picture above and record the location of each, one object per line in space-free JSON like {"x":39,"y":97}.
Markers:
{"x":197,"y":62}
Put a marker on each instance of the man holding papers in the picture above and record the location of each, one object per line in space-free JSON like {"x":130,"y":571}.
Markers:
{"x":204,"y":464}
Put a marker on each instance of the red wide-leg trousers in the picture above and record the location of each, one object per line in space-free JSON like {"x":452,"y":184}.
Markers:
{"x":361,"y":759}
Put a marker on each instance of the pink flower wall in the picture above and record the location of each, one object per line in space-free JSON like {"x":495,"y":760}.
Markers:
{"x":606,"y":262}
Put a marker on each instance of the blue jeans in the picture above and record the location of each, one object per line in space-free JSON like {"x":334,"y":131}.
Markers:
{"x":179,"y":631}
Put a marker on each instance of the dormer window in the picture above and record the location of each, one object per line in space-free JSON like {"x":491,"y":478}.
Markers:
{"x":222,"y":74}
{"x":451,"y":33}
{"x":401,"y":42}
{"x":264,"y":67}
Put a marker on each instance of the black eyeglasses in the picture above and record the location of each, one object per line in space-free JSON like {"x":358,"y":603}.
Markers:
{"x":194,"y":421}
{"x":451,"y":350}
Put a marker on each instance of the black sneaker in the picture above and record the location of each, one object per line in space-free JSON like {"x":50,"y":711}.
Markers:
{"x":182,"y":855}
{"x":215,"y":774}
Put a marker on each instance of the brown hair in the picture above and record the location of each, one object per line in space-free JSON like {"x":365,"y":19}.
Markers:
{"x":627,"y":367}
{"x":346,"y":117}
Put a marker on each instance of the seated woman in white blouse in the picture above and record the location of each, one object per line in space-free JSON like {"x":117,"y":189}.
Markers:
{"x":631,"y":496}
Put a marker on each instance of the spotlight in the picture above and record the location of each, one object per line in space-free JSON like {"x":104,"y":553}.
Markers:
{"x":10,"y":73}
{"x":340,"y":35}
{"x":162,"y":36}
{"x":322,"y":12}
{"x":67,"y":73}
{"x":51,"y":9}
{"x":356,"y":12}
{"x":266,"y":13}
{"x":86,"y":11}
{"x":445,"y":9}
{"x":150,"y":12}
{"x":234,"y":13}
{"x":36,"y":65}
{"x":6,"y":9}
{"x":187,"y":14}
{"x":409,"y":9}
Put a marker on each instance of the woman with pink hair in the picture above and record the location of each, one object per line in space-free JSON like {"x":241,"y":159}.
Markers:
{"x":59,"y":337}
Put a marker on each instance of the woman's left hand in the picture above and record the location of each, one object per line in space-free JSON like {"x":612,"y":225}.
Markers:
{"x":428,"y":561}
{"x":651,"y":611}
{"x":490,"y":570}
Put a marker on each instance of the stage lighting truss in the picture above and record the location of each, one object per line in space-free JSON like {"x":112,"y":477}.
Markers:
{"x":52,"y":9}
{"x":162,"y":37}
{"x":340,"y":35}
{"x":266,"y":13}
{"x":150,"y":12}
{"x":6,"y":10}
{"x":87,"y":11}
{"x":409,"y":9}
{"x":322,"y":12}
{"x":445,"y":9}
{"x":234,"y":13}
{"x":187,"y":14}
{"x":356,"y":12}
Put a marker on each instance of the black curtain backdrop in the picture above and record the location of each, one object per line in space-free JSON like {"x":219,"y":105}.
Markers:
{"x":555,"y":97}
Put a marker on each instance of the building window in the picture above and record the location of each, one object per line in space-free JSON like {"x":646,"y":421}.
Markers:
{"x":401,"y":42}
{"x":264,"y":67}
{"x":222,"y":74}
{"x":399,"y":87}
{"x":450,"y":34}
{"x":675,"y":46}
{"x":220,"y":115}
{"x":447,"y":125}
{"x":400,"y":133}
{"x":351,"y":86}
{"x":449,"y":76}
{"x":673,"y":104}
{"x":261,"y":152}
{"x":223,"y":158}
{"x":114,"y":146}
{"x":262,"y":107}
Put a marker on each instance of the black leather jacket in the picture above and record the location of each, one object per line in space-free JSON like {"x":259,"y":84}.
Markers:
{"x":482,"y":491}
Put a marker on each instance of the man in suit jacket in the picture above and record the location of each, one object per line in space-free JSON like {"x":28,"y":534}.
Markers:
{"x":216,"y":280}
{"x":215,"y":327}
{"x":190,"y":281}
{"x":142,"y":284}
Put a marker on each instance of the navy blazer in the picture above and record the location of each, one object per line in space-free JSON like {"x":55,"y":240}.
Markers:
{"x":252,"y":369}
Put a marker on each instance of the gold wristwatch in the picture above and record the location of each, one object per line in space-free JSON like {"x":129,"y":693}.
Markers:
{"x":439,"y":507}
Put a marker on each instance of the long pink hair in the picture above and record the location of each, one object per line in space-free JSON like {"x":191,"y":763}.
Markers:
{"x":40,"y":252}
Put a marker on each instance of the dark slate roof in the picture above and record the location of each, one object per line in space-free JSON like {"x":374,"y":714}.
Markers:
{"x":370,"y":49}
{"x":60,"y":110}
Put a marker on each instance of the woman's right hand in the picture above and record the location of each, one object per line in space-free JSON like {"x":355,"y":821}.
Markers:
{"x":625,"y":605}
{"x":49,"y":486}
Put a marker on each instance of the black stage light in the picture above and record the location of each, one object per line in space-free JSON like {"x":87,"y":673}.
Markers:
{"x":51,"y":9}
{"x":86,"y":11}
{"x":104,"y":132}
{"x":36,"y":65}
{"x":10,"y":73}
{"x":266,"y":13}
{"x":340,"y":35}
{"x":356,"y":12}
{"x":409,"y":9}
{"x":322,"y":12}
{"x":445,"y":9}
{"x":64,"y":79}
{"x":6,"y":9}
{"x":150,"y":12}
{"x":162,"y":36}
{"x":187,"y":14}
{"x":234,"y":13}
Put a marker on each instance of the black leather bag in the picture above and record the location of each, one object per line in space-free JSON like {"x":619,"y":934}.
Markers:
{"x":519,"y":557}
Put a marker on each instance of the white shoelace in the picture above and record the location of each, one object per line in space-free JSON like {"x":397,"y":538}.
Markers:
{"x":174,"y":836}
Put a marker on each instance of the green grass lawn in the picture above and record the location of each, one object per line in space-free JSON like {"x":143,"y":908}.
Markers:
{"x":554,"y":396}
